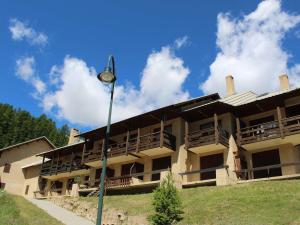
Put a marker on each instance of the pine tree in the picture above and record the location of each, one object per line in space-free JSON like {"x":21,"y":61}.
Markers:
{"x":17,"y":126}
{"x":167,"y":204}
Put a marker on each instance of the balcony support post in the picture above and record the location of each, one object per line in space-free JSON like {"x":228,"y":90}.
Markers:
{"x":127,"y":142}
{"x":83,"y":153}
{"x":72,"y":159}
{"x":57,"y":162}
{"x":51,"y":164}
{"x":280,"y":121}
{"x":186,"y":137}
{"x":216,"y":128}
{"x":138,"y":139}
{"x":102,"y":149}
{"x":161,"y":139}
{"x":238,"y":128}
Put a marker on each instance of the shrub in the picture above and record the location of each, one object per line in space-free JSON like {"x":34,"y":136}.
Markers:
{"x":166,"y":203}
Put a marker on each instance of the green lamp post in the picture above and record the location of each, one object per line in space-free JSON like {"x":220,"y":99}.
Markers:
{"x":108,"y":76}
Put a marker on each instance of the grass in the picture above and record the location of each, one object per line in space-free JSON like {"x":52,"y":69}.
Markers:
{"x":16,"y":210}
{"x":259,"y":203}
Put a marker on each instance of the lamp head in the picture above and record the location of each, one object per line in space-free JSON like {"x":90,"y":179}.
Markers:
{"x":107,"y":76}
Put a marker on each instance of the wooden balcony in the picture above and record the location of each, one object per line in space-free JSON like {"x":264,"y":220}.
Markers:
{"x":59,"y":168}
{"x":126,"y":182}
{"x":157,"y":143}
{"x":277,"y":132}
{"x":207,"y":140}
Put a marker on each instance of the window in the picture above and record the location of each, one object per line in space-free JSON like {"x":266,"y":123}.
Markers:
{"x":26,"y":189}
{"x":0,"y":154}
{"x":6,"y":168}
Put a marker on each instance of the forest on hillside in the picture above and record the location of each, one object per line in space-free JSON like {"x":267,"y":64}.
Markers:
{"x":18,"y":125}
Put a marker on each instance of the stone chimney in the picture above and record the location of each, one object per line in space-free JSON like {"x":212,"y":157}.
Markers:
{"x":230,"y":85}
{"x":284,"y":82}
{"x":72,"y":138}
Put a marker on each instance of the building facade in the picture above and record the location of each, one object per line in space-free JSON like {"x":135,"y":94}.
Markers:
{"x":209,"y":140}
{"x":20,"y":168}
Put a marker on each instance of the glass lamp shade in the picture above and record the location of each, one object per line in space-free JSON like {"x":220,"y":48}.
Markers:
{"x":107,"y":76}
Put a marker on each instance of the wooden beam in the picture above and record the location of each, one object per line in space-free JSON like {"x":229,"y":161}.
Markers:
{"x":57,"y":161}
{"x":216,"y":128}
{"x":52,"y":163}
{"x":238,"y":128}
{"x":138,"y":139}
{"x":280,"y":121}
{"x":102,"y":150}
{"x":83,"y":152}
{"x":161,"y":139}
{"x":127,"y":142}
{"x":72,"y":159}
{"x":186,"y":137}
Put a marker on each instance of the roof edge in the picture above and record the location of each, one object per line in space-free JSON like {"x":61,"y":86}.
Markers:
{"x":29,"y":141}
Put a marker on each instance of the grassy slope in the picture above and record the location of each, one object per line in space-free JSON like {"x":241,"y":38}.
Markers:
{"x":261,"y":203}
{"x":15,"y":210}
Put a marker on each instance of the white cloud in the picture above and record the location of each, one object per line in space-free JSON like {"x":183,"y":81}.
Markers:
{"x":179,"y":42}
{"x":25,"y":69}
{"x":250,"y":49}
{"x":81,"y":99}
{"x":21,"y":31}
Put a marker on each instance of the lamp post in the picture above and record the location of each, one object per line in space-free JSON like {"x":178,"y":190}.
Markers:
{"x":108,"y":76}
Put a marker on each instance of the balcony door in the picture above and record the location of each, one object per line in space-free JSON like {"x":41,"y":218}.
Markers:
{"x":160,"y":164}
{"x":266,"y":158}
{"x":210,"y":162}
{"x":132,"y":168}
{"x":263,"y":126}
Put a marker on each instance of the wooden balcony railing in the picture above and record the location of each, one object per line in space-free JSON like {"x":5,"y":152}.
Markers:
{"x":270,"y":130}
{"x":122,"y":181}
{"x":145,"y":142}
{"x":266,"y":171}
{"x":53,"y":167}
{"x":206,"y":137}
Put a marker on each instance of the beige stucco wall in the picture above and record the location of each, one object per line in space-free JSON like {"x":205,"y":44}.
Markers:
{"x":18,"y":157}
{"x":31,"y":175}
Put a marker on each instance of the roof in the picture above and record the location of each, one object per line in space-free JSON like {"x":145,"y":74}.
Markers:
{"x":239,"y":99}
{"x":39,"y":162}
{"x":28,"y":142}
{"x":149,"y":118}
{"x":70,"y":147}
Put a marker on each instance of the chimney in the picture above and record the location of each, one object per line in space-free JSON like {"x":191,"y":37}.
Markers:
{"x":72,"y":138}
{"x":230,"y":85}
{"x":284,"y":82}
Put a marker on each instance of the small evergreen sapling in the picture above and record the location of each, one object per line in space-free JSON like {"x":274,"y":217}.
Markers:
{"x":166,"y":203}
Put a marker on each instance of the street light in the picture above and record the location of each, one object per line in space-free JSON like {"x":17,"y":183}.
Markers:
{"x":108,"y":76}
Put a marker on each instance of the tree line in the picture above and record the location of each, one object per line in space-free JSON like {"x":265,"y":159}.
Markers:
{"x":18,"y":125}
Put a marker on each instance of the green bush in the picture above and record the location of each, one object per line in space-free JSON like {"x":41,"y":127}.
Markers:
{"x":166,"y":203}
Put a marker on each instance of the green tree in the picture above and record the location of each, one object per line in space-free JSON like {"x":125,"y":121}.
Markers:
{"x":166,"y":203}
{"x":18,"y":125}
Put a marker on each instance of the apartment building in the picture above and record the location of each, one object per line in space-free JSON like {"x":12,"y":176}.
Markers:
{"x":20,"y":167}
{"x":204,"y":141}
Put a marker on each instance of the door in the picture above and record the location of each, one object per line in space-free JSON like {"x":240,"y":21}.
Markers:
{"x":132,"y":168}
{"x":109,"y":173}
{"x":210,"y":162}
{"x":160,"y":164}
{"x":266,"y":158}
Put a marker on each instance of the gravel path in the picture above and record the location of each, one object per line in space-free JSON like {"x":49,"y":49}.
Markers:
{"x":63,"y":215}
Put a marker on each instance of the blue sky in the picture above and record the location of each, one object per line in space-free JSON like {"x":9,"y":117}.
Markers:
{"x":142,"y":36}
